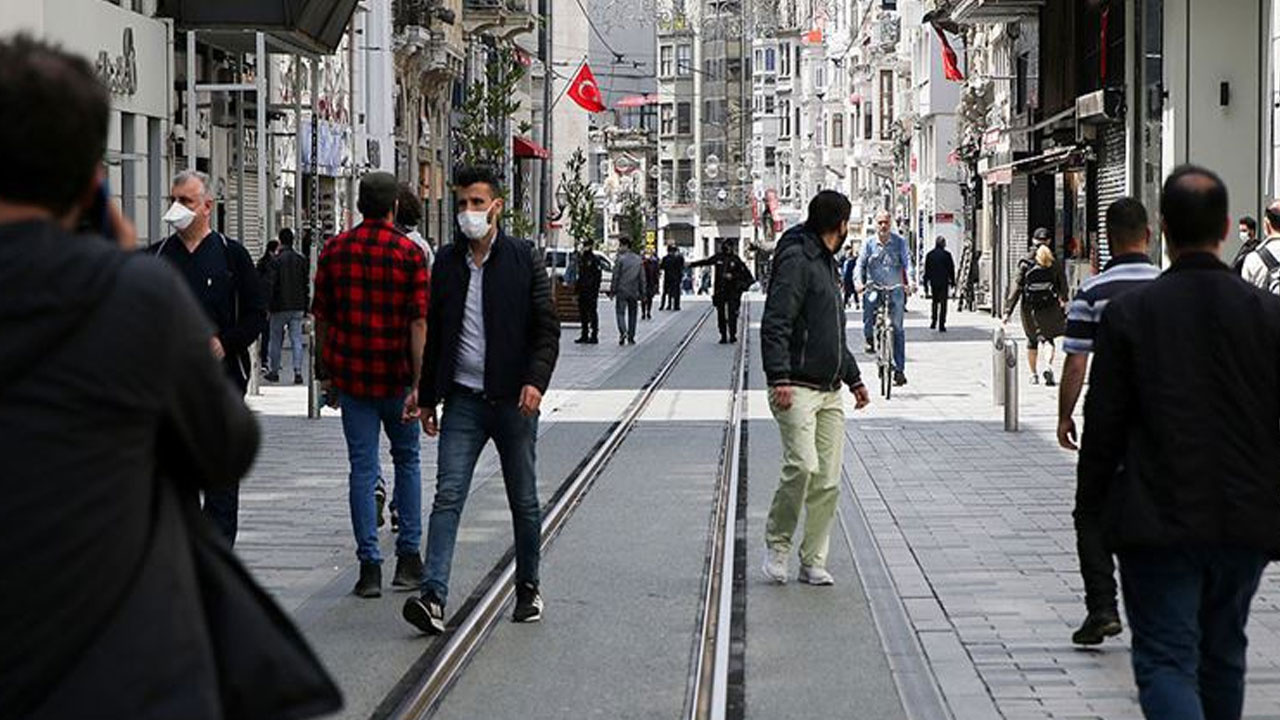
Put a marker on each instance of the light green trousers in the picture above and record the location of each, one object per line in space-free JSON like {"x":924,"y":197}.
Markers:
{"x":812,"y":432}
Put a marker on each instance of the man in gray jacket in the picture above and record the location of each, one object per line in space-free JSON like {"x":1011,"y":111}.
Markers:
{"x":628,"y":287}
{"x":806,"y":360}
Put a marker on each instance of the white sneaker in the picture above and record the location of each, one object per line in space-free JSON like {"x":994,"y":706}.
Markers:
{"x":775,"y":565}
{"x":813,"y":575}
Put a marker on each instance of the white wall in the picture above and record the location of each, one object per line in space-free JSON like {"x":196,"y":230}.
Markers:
{"x":379,"y":68}
{"x":569,"y":122}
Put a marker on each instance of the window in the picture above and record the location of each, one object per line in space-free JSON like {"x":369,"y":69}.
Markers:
{"x":796,"y":67}
{"x":666,"y":113}
{"x":886,"y":104}
{"x":837,"y":130}
{"x":819,"y":75}
{"x":684,"y":60}
{"x":664,"y":61}
{"x":759,"y":55}
{"x":868,"y":121}
{"x":1022,"y":69}
{"x":822,"y":131}
{"x":684,"y":173}
{"x":784,"y":59}
{"x":784,"y":115}
{"x":770,"y":157}
{"x":798,"y":126}
{"x":768,"y":105}
{"x":684,"y":118}
{"x":668,"y":175}
{"x":770,"y":64}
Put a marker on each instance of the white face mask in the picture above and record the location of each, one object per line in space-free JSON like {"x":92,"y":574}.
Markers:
{"x":474,"y":223}
{"x":180,"y":215}
{"x":1244,"y":236}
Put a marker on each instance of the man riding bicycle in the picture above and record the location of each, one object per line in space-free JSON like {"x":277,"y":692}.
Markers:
{"x":885,"y":261}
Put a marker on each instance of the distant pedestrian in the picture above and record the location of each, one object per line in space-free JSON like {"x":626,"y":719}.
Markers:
{"x":590,"y":276}
{"x":491,"y":351}
{"x":1129,"y":269}
{"x":370,"y":310}
{"x":1179,"y":455}
{"x":1261,"y":268}
{"x":704,"y":282}
{"x":650,"y":285}
{"x":672,"y":267}
{"x":885,"y":261}
{"x":1248,"y":242}
{"x":628,"y":288}
{"x":848,"y":277}
{"x":732,"y":278}
{"x":939,"y":277}
{"x":264,"y":269}
{"x":288,"y":293}
{"x":223,"y":277}
{"x":806,"y":360}
{"x":112,"y":410}
{"x":408,"y":219}
{"x":1041,"y":286}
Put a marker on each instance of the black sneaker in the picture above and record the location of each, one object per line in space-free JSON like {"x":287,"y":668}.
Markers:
{"x":1048,"y":378}
{"x":297,"y":378}
{"x":379,"y":502}
{"x":425,"y":613}
{"x":408,"y":572}
{"x":580,"y":340}
{"x":724,"y":340}
{"x":528,"y":604}
{"x":1098,"y":626}
{"x":899,"y":379}
{"x":272,"y":377}
{"x":869,"y":349}
{"x":370,"y":583}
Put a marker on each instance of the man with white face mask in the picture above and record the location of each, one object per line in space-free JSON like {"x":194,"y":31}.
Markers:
{"x":491,"y":350}
{"x":224,"y":279}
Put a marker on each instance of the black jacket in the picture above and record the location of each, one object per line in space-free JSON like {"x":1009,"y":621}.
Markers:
{"x":802,"y":332}
{"x":590,"y":274}
{"x":111,"y":406}
{"x":1246,"y":248}
{"x":672,"y":267}
{"x":939,"y":270}
{"x":522,"y":332}
{"x":288,"y":282}
{"x":731,"y":275}
{"x":1181,"y":438}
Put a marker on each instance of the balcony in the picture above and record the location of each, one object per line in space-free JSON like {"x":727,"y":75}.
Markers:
{"x":977,"y":12}
{"x":501,"y":18}
{"x":427,"y":41}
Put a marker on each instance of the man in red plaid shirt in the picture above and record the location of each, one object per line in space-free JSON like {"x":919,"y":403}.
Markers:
{"x":371,"y":314}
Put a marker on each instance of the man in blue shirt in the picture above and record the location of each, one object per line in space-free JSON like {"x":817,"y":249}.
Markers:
{"x":886,"y":261}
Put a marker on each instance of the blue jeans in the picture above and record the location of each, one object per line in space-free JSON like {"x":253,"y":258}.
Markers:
{"x":626,"y":312}
{"x":279,"y":321}
{"x":897,"y":308}
{"x":468,"y":423}
{"x":1187,"y":609}
{"x":362,"y":418}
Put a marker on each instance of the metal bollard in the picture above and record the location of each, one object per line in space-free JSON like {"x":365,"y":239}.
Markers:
{"x":998,"y":340}
{"x":315,"y":398}
{"x":1010,"y":388}
{"x":255,"y":368}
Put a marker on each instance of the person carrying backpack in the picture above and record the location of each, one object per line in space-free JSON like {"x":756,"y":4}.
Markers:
{"x":1262,"y":266}
{"x":1042,"y":288}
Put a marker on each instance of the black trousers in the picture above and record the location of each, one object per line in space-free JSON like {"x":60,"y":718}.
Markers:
{"x":727,"y":309}
{"x":938,"y":316}
{"x":646,"y":306}
{"x":671,"y":298}
{"x":589,"y":314}
{"x":1097,"y":568}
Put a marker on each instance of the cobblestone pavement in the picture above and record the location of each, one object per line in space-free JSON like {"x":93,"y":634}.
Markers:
{"x":975,"y":526}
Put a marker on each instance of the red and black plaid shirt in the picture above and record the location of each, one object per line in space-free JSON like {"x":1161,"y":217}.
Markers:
{"x":370,"y":285}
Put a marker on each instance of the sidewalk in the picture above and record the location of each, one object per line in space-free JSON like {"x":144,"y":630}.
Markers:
{"x":975,"y":526}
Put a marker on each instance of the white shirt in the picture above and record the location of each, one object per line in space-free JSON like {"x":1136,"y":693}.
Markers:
{"x":423,"y":245}
{"x":471,"y":341}
{"x":1254,"y":271}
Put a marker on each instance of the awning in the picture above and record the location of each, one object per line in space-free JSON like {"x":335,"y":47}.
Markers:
{"x":1047,"y":160}
{"x":635,"y":101}
{"x":523,"y":147}
{"x":315,"y":26}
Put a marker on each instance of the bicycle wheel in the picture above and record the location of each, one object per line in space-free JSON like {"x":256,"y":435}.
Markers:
{"x":884,"y":358}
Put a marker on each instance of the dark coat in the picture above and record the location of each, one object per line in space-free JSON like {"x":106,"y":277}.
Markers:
{"x":672,"y":266}
{"x":288,"y":282}
{"x":650,"y":276}
{"x":939,"y":271}
{"x":732,"y":276}
{"x":522,"y":332}
{"x":590,"y":275}
{"x":1181,"y":438}
{"x":107,"y":386}
{"x":802,"y":332}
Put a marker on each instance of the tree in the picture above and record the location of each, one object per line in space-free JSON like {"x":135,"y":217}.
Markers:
{"x":632,"y":217}
{"x":579,"y":199}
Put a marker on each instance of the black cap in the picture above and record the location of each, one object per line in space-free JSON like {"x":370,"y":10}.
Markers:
{"x":1041,"y":233}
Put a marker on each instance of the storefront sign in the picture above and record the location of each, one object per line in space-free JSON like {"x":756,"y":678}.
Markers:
{"x":120,"y":74}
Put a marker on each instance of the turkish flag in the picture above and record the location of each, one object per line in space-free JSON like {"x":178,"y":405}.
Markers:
{"x":950,"y":64}
{"x":585,"y":91}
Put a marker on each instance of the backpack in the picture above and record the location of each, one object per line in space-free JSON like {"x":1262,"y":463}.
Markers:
{"x":1273,"y":269}
{"x":1038,"y":288}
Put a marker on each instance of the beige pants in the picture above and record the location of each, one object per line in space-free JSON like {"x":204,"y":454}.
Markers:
{"x":812,"y":432}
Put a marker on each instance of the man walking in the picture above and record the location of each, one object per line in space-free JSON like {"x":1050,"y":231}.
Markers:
{"x":1248,"y":242}
{"x":263,"y":267}
{"x":1261,"y":268}
{"x":287,"y":288}
{"x":588,"y":287}
{"x":732,"y":278}
{"x":939,"y":277}
{"x":628,"y":288}
{"x":223,"y":277}
{"x":409,"y":217}
{"x":886,"y":262}
{"x":806,"y":359}
{"x":650,"y":285}
{"x":1179,"y":455}
{"x":1129,"y":268}
{"x":370,"y":310}
{"x":672,"y":278}
{"x":490,"y":354}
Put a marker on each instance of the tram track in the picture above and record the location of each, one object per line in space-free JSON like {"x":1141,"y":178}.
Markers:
{"x":421,"y":691}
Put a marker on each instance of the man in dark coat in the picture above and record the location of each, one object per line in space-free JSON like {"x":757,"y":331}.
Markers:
{"x":264,"y":272}
{"x":672,"y":267}
{"x":288,"y":292}
{"x":1179,"y":456}
{"x":651,"y":271}
{"x":939,"y":277}
{"x":732,"y":277}
{"x":589,"y":278}
{"x":111,"y":403}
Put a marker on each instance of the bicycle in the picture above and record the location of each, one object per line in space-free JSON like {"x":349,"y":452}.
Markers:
{"x":882,"y":335}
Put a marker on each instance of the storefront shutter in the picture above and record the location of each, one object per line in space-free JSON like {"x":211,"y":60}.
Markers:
{"x":1111,"y":183}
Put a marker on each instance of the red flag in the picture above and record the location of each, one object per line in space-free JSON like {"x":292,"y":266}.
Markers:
{"x":950,"y":64}
{"x":585,"y":91}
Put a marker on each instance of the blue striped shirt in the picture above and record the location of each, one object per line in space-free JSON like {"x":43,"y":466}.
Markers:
{"x":1122,"y":274}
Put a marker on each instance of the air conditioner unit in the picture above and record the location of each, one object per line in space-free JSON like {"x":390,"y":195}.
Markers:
{"x":1101,"y":106}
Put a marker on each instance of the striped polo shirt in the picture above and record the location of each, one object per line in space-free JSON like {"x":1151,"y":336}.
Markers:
{"x":1121,"y":275}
